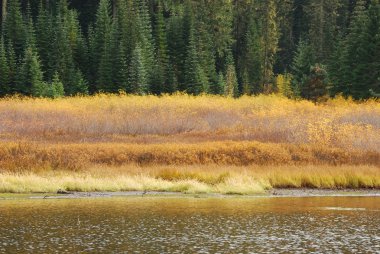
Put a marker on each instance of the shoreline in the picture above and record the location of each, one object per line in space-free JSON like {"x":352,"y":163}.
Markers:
{"x":274,"y":193}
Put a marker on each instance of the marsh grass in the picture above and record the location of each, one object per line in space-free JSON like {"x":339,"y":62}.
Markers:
{"x":193,"y":179}
{"x":188,"y":144}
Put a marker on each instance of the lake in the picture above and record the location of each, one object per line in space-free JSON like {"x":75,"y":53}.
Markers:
{"x":191,"y":225}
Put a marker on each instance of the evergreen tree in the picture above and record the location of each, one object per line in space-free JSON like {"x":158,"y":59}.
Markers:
{"x":14,"y":28}
{"x":12,"y":68}
{"x":44,"y":36}
{"x":31,"y":78}
{"x":137,"y":73}
{"x":231,"y":84}
{"x":270,"y":38}
{"x":253,"y":58}
{"x":176,"y":48}
{"x":145,"y":38}
{"x":4,"y":70}
{"x":192,"y":72}
{"x":161,"y":82}
{"x":358,"y":52}
{"x":314,"y":86}
{"x":302,"y":63}
{"x":100,"y":48}
{"x":323,"y":15}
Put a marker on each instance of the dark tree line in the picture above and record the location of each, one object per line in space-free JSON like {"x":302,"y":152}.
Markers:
{"x":322,"y":47}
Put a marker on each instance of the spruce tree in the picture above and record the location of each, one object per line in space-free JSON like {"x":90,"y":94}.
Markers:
{"x":231,"y":85}
{"x":145,"y":37}
{"x":302,"y":63}
{"x":192,"y":72}
{"x":30,"y":75}
{"x":44,"y":36}
{"x":138,"y":83}
{"x":253,"y":57}
{"x":100,"y":48}
{"x":161,"y":73}
{"x":176,"y":49}
{"x":314,"y":86}
{"x":270,"y":38}
{"x":14,"y":28}
{"x":358,"y":52}
{"x":323,"y":16}
{"x":12,"y":68}
{"x":4,"y":70}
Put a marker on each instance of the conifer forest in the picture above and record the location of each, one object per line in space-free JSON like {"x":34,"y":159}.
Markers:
{"x":310,"y":49}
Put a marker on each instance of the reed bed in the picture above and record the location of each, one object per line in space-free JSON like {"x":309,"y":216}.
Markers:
{"x":187,"y":144}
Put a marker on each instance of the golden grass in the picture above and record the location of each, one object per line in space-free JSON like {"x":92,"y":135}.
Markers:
{"x":193,"y":179}
{"x":182,"y":118}
{"x":185,"y":143}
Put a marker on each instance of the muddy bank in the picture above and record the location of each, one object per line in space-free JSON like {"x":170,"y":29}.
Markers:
{"x":270,"y":193}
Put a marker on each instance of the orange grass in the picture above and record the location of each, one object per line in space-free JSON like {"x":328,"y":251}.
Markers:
{"x":28,"y":156}
{"x":186,"y":143}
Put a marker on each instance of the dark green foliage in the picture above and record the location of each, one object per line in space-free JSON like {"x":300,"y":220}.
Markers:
{"x":138,"y":82}
{"x":30,"y":80}
{"x":14,"y":28}
{"x":314,"y":86}
{"x":4,"y":70}
{"x":161,"y":68}
{"x":302,"y":63}
{"x":220,"y":47}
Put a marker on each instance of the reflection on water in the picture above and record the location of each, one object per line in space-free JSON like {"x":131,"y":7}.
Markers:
{"x":187,"y":225}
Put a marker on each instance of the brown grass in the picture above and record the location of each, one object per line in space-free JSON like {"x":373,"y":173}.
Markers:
{"x":287,"y":143}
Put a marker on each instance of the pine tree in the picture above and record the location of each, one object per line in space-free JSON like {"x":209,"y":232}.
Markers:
{"x":12,"y":68}
{"x":176,"y":49}
{"x":373,"y":70}
{"x":192,"y":72}
{"x":44,"y":35}
{"x":231,"y":85}
{"x":302,"y":63}
{"x":4,"y":70}
{"x":161,"y":83}
{"x":207,"y":57}
{"x":14,"y":28}
{"x":270,"y":38}
{"x":253,"y":57}
{"x":145,"y":37}
{"x":314,"y":86}
{"x":323,"y":15}
{"x":137,"y":73}
{"x":358,"y":52}
{"x":31,"y":78}
{"x":56,"y":88}
{"x":221,"y":84}
{"x":100,"y":48}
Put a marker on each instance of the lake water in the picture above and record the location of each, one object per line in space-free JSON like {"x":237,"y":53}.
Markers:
{"x":191,"y":225}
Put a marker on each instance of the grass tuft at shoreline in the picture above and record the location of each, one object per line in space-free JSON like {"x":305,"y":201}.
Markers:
{"x":193,"y":179}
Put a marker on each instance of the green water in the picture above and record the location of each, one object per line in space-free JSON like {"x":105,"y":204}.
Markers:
{"x":191,"y":225}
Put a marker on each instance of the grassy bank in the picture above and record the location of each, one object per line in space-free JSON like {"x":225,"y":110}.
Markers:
{"x":187,"y":144}
{"x":193,"y":179}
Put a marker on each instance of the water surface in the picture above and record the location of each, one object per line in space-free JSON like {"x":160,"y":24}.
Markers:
{"x":191,"y":225}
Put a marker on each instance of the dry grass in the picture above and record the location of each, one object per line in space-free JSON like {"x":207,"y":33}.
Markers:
{"x":19,"y":157}
{"x":256,"y":142}
{"x":183,"y":118}
{"x":193,"y":179}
